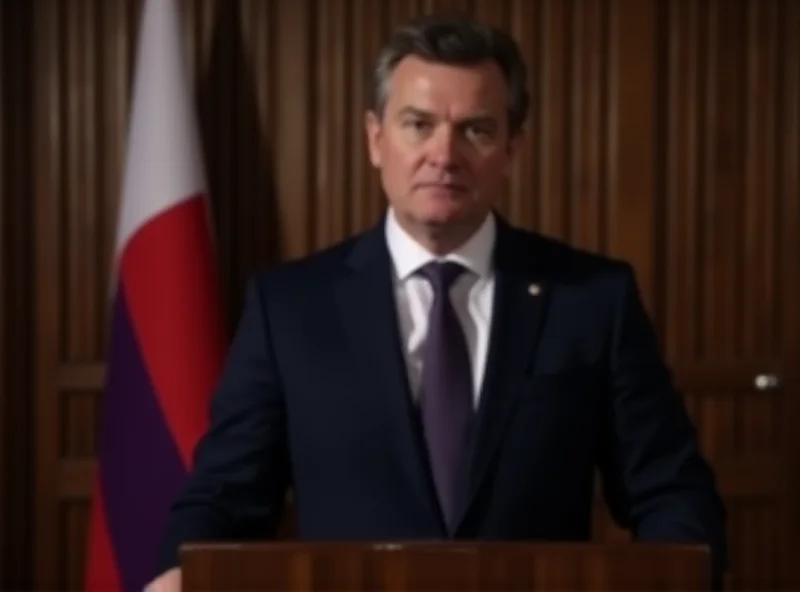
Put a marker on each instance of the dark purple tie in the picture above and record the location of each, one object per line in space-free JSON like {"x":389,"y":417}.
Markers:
{"x":446,"y":387}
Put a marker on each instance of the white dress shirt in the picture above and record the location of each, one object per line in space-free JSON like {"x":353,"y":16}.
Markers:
{"x":472,"y":295}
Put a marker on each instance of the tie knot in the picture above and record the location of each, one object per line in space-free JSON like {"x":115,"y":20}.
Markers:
{"x":442,"y":274}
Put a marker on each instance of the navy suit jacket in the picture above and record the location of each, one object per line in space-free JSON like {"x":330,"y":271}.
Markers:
{"x":314,"y":396}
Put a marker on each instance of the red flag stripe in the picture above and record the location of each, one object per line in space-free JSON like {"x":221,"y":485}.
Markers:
{"x":170,"y":284}
{"x":102,"y":573}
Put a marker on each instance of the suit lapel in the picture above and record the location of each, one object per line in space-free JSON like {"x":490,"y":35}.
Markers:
{"x":366,"y":301}
{"x":521,"y":295}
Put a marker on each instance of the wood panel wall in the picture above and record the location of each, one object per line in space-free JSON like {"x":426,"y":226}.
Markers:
{"x":728,"y":257}
{"x":16,"y":312}
{"x":662,"y":131}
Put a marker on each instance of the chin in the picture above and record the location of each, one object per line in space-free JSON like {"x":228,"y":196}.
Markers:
{"x":442,"y":206}
{"x":441,"y":215}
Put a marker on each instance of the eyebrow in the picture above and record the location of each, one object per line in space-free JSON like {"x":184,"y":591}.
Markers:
{"x":477,"y":118}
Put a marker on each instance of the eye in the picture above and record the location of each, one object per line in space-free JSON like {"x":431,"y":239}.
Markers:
{"x":416,"y":125}
{"x":478,"y":132}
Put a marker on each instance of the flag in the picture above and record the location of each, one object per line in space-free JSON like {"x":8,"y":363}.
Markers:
{"x":166,"y":337}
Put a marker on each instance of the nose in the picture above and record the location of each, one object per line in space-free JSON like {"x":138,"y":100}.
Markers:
{"x":443,"y":149}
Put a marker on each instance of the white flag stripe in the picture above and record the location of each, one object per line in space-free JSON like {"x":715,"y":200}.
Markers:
{"x":163,"y":162}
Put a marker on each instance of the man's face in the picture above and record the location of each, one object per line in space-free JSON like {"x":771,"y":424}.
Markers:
{"x":442,"y":145}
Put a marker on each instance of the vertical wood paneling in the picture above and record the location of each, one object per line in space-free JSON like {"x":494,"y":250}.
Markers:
{"x":550,"y":89}
{"x":561,"y":183}
{"x":347,"y":195}
{"x":16,"y":245}
{"x":527,"y":27}
{"x":679,"y":171}
{"x":492,"y":12}
{"x":330,"y":106}
{"x":760,"y":331}
{"x":631,"y":156}
{"x":293,"y":75}
{"x":73,"y":526}
{"x":81,"y":232}
{"x":111,"y":83}
{"x":729,"y":255}
{"x":449,"y":5}
{"x":236,"y":43}
{"x":52,"y":95}
{"x":585,"y":129}
{"x":367,"y":41}
{"x":4,"y":274}
{"x":662,"y":132}
{"x":787,"y":186}
{"x":3,"y":298}
{"x":257,"y":220}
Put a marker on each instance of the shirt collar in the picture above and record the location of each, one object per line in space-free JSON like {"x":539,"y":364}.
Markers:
{"x":408,"y":255}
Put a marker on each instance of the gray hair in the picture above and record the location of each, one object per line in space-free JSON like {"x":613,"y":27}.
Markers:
{"x":456,"y":40}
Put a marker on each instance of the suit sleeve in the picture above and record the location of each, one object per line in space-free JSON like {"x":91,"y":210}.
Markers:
{"x":240,"y":471}
{"x":655,"y":480}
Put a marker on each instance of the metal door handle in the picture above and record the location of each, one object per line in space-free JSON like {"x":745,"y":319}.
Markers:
{"x":766,"y":382}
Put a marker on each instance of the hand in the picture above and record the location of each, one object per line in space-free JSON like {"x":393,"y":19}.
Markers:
{"x":169,"y":581}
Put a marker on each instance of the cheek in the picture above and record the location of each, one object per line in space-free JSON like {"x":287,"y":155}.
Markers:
{"x":398,"y":172}
{"x":492,"y":169}
{"x":403,"y":161}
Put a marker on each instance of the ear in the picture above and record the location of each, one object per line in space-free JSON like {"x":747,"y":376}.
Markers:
{"x":372,"y":127}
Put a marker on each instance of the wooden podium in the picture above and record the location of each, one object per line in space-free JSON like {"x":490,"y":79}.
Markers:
{"x":296,"y":566}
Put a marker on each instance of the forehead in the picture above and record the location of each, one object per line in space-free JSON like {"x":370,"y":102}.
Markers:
{"x":454,"y":89}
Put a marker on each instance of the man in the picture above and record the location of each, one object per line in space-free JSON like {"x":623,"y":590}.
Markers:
{"x":445,"y":374}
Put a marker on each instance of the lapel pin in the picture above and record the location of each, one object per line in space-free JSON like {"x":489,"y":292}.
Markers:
{"x":534,"y":290}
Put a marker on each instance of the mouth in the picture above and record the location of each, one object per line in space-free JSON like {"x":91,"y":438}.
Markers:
{"x":446,"y":187}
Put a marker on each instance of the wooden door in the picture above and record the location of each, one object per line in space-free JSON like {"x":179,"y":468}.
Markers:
{"x":728,"y":258}
{"x":724,"y":258}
